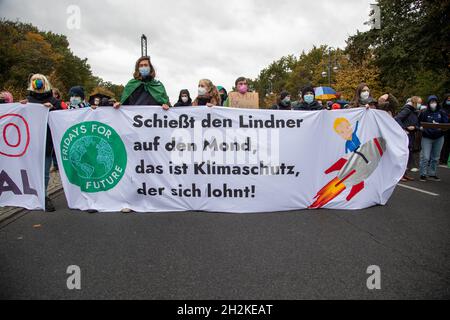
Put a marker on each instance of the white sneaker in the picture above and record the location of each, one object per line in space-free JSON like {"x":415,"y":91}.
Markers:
{"x":125,"y":210}
{"x":414,"y":170}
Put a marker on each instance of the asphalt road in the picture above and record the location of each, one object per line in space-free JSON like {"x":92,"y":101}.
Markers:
{"x":295,"y":255}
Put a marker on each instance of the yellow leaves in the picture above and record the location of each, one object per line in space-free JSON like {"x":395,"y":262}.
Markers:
{"x":351,"y":75}
{"x":102,"y":90}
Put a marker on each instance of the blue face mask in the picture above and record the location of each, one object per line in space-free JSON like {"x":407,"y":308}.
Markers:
{"x":75,"y":101}
{"x":447,"y":102}
{"x":144,"y":71}
{"x":309,"y":98}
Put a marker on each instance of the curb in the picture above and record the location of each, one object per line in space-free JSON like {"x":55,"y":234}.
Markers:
{"x":8,"y":213}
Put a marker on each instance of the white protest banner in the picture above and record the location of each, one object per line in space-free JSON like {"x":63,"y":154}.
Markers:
{"x":227,"y":160}
{"x":23,"y":130}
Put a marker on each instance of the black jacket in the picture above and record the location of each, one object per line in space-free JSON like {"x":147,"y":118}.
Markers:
{"x":445,"y":107}
{"x":44,"y":98}
{"x":140,"y":97}
{"x":308,"y":107}
{"x":408,"y":117}
{"x":281,"y":107}
{"x":180,"y":102}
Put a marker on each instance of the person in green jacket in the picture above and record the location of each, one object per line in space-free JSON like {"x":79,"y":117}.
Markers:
{"x":144,"y":90}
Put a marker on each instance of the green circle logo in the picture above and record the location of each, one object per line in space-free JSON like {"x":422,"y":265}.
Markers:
{"x":93,"y":156}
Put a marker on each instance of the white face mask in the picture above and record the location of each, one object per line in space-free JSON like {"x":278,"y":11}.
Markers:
{"x":433,"y":106}
{"x":201,"y":91}
{"x":184,"y":99}
{"x":365,"y":95}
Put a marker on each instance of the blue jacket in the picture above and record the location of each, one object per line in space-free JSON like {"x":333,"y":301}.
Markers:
{"x":354,"y":144}
{"x":438,"y":116}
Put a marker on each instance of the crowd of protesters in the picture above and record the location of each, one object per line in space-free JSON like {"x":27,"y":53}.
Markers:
{"x":144,"y":89}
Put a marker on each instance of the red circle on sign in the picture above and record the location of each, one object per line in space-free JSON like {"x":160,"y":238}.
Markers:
{"x":27,"y":128}
{"x":18,"y":133}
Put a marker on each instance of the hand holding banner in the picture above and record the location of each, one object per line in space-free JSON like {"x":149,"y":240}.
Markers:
{"x":23,"y":129}
{"x":227,"y":160}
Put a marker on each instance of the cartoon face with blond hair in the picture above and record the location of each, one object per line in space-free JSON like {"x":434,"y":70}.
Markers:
{"x":344,"y":128}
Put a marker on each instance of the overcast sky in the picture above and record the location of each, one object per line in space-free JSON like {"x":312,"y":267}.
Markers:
{"x":193,"y":39}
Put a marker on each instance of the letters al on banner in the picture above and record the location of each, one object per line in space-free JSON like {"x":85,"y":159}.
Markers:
{"x":23,"y":130}
{"x":227,"y":160}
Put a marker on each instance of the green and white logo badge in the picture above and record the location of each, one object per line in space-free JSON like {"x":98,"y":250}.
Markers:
{"x":94,"y":156}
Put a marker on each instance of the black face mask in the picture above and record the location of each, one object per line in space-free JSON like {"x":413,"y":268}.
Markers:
{"x":223,"y":97}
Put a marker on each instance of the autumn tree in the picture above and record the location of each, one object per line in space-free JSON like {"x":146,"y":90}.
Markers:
{"x":26,"y":50}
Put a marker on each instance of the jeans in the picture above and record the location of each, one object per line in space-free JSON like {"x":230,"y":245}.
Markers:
{"x":429,"y":157}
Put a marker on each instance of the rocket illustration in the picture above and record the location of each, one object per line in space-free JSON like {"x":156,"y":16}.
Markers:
{"x":353,"y":170}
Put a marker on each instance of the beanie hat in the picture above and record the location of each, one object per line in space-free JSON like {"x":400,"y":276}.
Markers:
{"x":431,"y":98}
{"x":77,"y":91}
{"x":307,"y":89}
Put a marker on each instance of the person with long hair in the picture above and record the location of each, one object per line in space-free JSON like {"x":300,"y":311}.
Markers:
{"x":208,"y":95}
{"x":144,"y":89}
{"x":184,"y":99}
{"x":362,"y":97}
{"x":40,"y":91}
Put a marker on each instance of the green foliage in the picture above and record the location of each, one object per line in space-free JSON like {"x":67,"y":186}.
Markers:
{"x":26,"y":50}
{"x":409,"y":55}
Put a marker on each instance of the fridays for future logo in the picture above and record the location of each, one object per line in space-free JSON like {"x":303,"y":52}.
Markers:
{"x":94,"y":156}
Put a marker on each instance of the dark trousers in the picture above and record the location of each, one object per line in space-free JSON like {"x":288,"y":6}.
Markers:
{"x":446,"y":149}
{"x":411,"y":139}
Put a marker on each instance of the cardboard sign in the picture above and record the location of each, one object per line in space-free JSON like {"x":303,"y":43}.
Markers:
{"x":250,"y":100}
{"x":442,"y":126}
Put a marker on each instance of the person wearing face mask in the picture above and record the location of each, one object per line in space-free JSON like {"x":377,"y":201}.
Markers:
{"x":283,"y":101}
{"x":223,"y":94}
{"x":432,"y":140}
{"x":144,"y":90}
{"x":408,"y":119}
{"x":362,"y":97}
{"x":445,"y":154}
{"x":77,"y":97}
{"x":40,"y":91}
{"x":297,"y":103}
{"x":207,"y":94}
{"x":97,"y":102}
{"x":184,"y":99}
{"x":309,"y":101}
{"x":238,"y":98}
